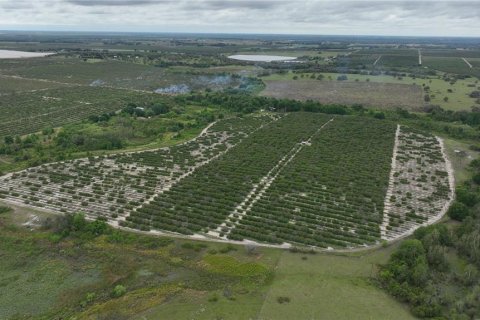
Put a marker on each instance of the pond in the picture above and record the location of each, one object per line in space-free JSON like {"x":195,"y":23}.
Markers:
{"x":260,"y":57}
{"x":13,"y":54}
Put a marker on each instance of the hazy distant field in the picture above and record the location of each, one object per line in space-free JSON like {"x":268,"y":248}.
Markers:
{"x":382,"y":95}
{"x":33,"y":111}
{"x":118,"y":74}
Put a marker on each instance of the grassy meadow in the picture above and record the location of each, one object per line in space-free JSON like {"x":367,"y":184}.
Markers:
{"x":45,"y":276}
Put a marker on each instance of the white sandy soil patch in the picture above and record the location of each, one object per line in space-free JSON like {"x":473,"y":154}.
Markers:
{"x":13,"y":54}
{"x":421,"y":185}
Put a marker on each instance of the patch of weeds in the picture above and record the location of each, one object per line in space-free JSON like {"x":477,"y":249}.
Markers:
{"x":213,"y":298}
{"x":89,"y":298}
{"x":4,"y":209}
{"x":228,"y":248}
{"x":197,"y":247}
{"x":283,"y":300}
{"x":119,"y":291}
{"x":302,"y":250}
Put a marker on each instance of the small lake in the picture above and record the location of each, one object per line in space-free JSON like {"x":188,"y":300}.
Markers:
{"x":13,"y":54}
{"x":260,"y":57}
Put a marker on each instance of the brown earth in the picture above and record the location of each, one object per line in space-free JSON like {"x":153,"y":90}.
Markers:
{"x":380,"y":95}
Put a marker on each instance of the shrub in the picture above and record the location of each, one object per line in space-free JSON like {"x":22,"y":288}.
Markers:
{"x":458,"y":211}
{"x":465,"y":196}
{"x":213,"y":298}
{"x":282,"y":300}
{"x":119,"y":291}
{"x":4,"y":209}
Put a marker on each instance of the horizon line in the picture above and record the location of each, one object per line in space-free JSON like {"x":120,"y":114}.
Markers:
{"x":234,"y":33}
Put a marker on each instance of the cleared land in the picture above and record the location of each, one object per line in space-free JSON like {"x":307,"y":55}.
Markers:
{"x":340,"y":92}
{"x":457,"y":92}
{"x":313,"y":180}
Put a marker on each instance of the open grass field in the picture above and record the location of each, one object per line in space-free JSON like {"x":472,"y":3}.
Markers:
{"x":458,"y":98}
{"x":46,"y":278}
{"x":176,"y":279}
{"x":377,"y":95}
{"x":329,"y":286}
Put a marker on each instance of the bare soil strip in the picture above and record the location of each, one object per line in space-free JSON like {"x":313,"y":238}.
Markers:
{"x":468,"y":63}
{"x":386,"y":217}
{"x":167,"y":186}
{"x":259,"y":189}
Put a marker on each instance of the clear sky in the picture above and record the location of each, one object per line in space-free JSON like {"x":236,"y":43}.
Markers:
{"x":360,"y":17}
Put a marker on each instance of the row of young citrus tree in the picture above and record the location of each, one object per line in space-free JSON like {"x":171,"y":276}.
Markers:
{"x":330,"y":194}
{"x":202,"y":201}
{"x":112,"y":186}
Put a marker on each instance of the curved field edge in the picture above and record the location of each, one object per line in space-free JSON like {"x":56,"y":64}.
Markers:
{"x":421,"y":184}
{"x":208,"y":238}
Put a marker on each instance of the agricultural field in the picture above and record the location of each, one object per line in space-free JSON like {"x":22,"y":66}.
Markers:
{"x":421,"y":183}
{"x":455,"y":65}
{"x":355,"y":60}
{"x":124,"y":74}
{"x":14,"y":85}
{"x":377,"y":95}
{"x":297,"y":189}
{"x":34,"y":111}
{"x":114,"y":185}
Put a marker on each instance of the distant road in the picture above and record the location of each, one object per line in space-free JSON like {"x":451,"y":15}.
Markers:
{"x":377,"y":60}
{"x":419,"y":57}
{"x":468,"y":63}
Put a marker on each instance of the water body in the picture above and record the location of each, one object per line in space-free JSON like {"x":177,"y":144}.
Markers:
{"x":13,"y":54}
{"x":260,"y":57}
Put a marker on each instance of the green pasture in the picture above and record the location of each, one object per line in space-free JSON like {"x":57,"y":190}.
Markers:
{"x":43,"y":277}
{"x":458,"y":99}
{"x":330,"y":286}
